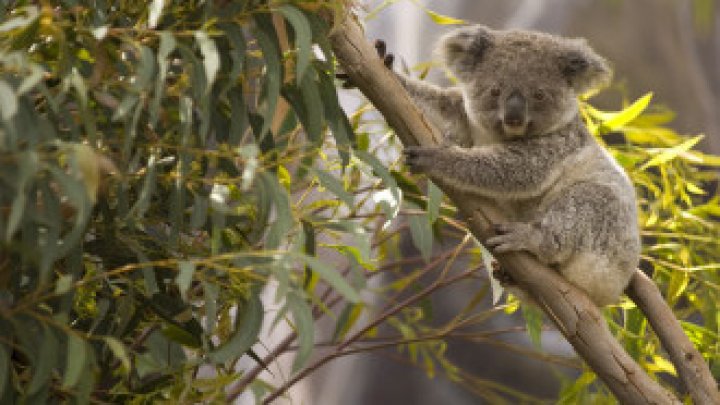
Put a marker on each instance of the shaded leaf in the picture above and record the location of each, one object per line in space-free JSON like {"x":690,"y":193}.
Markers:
{"x":305,"y":327}
{"x":247,"y":328}
{"x":332,"y":276}
{"x":421,"y":233}
{"x":186,"y":269}
{"x":303,"y":37}
{"x":76,"y":362}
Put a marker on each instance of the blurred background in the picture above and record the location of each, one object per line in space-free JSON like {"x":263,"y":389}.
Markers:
{"x":669,"y":47}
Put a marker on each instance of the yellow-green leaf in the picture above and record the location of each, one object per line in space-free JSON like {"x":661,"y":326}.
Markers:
{"x":443,"y":19}
{"x":671,"y":153}
{"x":617,"y":120}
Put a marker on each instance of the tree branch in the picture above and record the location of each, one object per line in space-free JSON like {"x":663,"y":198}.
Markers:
{"x":573,"y":313}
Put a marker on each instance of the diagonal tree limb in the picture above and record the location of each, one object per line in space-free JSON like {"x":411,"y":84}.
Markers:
{"x":571,"y":311}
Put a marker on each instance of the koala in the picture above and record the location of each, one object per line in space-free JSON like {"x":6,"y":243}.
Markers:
{"x":514,"y":135}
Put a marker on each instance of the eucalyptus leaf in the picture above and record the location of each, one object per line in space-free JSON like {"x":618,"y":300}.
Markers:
{"x":268,"y":42}
{"x":211,"y":59}
{"x":434,"y":200}
{"x":335,"y":186}
{"x":421,"y":233}
{"x":76,"y":361}
{"x":46,"y":361}
{"x":186,"y":269}
{"x":332,"y":276}
{"x":304,"y":326}
{"x":247,"y":328}
{"x":303,"y":37}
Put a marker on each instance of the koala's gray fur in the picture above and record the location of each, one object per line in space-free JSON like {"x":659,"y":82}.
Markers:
{"x":516,"y":137}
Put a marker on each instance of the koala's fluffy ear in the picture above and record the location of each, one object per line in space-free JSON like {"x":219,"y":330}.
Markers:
{"x":462,"y":49}
{"x":584,"y":69}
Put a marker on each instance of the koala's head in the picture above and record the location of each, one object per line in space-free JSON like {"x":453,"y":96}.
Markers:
{"x":520,"y":83}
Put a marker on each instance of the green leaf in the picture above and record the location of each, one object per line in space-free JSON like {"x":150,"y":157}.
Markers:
{"x":284,"y":220}
{"x":305,"y":327}
{"x":617,"y":120}
{"x":347,"y":319}
{"x":671,"y":153}
{"x":76,"y":362}
{"x":421,"y":233}
{"x":119,"y":351}
{"x":9,"y":105}
{"x":29,"y":163}
{"x":336,"y":118}
{"x":443,"y":19}
{"x":329,"y":181}
{"x":247,"y":328}
{"x":533,"y":319}
{"x":31,"y":13}
{"x":154,"y":12}
{"x":45,"y":361}
{"x":176,"y":333}
{"x":186,"y":269}
{"x":211,"y":59}
{"x":167,"y":45}
{"x":303,"y":37}
{"x":235,"y":36}
{"x":268,"y":42}
{"x":434,"y":199}
{"x":145,"y":69}
{"x":334,"y":278}
{"x":381,"y":171}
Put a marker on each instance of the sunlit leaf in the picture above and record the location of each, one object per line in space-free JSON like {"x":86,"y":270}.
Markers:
{"x":671,"y":153}
{"x":443,"y":19}
{"x":9,"y":106}
{"x":211,"y":59}
{"x":155,"y":11}
{"x":617,"y":120}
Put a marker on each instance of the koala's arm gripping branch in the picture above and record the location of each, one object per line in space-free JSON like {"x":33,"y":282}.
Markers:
{"x":573,"y":313}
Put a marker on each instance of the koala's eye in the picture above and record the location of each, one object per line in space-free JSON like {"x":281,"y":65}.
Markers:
{"x":495,"y":92}
{"x":539,"y":95}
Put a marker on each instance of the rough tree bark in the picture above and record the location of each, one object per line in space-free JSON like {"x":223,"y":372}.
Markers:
{"x":572,"y":312}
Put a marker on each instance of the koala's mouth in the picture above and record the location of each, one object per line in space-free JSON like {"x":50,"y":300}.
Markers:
{"x":510,"y":128}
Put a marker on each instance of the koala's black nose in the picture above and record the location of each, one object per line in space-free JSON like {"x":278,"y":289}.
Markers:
{"x":515,"y":110}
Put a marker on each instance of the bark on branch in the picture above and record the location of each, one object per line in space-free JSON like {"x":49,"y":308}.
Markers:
{"x":569,"y":308}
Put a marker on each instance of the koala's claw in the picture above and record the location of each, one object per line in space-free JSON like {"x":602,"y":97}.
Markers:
{"x":511,"y":237}
{"x":418,"y":158}
{"x":387,"y":58}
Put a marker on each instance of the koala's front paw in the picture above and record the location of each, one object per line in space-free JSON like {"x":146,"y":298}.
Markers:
{"x":419,"y":158}
{"x":387,"y":59}
{"x":513,"y":237}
